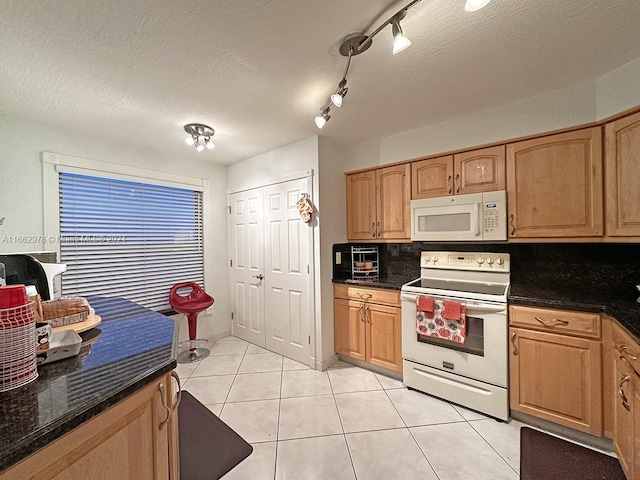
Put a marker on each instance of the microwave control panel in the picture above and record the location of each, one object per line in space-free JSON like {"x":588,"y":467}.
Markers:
{"x":494,"y":216}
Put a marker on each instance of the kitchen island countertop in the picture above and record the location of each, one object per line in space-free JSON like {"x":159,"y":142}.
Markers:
{"x":131,"y":348}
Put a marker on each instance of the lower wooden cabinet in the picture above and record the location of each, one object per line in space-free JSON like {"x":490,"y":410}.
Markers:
{"x":626,"y":401}
{"x":367,"y":331}
{"x":625,"y":419}
{"x":136,"y":438}
{"x":554,"y":376}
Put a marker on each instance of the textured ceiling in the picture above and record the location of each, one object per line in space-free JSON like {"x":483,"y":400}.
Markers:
{"x":259,"y":70}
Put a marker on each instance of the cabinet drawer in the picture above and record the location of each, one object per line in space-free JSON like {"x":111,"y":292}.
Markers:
{"x":558,"y":321}
{"x":625,"y":347}
{"x":372,"y":295}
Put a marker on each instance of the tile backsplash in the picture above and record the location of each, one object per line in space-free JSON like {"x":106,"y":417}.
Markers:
{"x":607,"y":267}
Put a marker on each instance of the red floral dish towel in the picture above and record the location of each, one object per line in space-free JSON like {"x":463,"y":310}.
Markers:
{"x":441,"y":319}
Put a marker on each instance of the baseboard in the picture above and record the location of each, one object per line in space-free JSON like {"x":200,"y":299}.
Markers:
{"x":373,"y":368}
{"x":602,"y":444}
{"x":322,"y":366}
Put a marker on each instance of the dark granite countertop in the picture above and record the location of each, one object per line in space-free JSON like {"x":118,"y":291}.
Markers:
{"x":391,"y":282}
{"x":131,"y":348}
{"x":536,"y":293}
{"x":622,"y":307}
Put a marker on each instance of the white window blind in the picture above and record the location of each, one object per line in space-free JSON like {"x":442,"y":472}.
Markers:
{"x":129,"y":239}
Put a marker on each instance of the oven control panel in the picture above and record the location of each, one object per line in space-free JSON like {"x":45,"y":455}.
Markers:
{"x":479,"y":261}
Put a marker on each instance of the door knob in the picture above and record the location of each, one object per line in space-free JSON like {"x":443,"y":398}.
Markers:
{"x":259,"y":276}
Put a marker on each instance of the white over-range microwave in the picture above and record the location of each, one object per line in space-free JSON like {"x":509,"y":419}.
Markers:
{"x":471,"y":217}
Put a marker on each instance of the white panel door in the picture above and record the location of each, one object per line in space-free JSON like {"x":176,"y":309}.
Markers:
{"x":288,"y":244}
{"x":247,"y":265}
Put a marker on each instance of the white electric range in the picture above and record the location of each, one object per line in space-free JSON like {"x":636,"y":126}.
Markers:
{"x":473,"y":374}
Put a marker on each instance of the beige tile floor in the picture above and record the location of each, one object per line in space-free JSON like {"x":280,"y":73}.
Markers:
{"x":345,"y":423}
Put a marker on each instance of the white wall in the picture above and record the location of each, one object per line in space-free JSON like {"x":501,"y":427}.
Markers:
{"x":618,"y":90}
{"x":559,"y":109}
{"x":333,"y":222}
{"x":21,"y":198}
{"x":587,"y":102}
{"x":259,"y":170}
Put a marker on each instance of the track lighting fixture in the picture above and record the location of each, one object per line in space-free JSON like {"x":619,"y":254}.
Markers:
{"x":355,"y":44}
{"x":199,"y":136}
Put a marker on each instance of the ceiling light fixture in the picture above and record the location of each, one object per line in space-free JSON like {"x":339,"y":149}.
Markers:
{"x":473,"y":5}
{"x":199,"y":136}
{"x":355,"y":44}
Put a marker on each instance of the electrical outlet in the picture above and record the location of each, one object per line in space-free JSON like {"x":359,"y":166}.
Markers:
{"x":338,"y":258}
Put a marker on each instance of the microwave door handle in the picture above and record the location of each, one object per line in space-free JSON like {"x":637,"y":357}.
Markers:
{"x":476,"y":212}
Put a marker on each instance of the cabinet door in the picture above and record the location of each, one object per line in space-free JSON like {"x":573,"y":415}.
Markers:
{"x":623,"y":416}
{"x":125,"y":441}
{"x":557,"y":378}
{"x":554,"y":185}
{"x":384,"y":337}
{"x":349,"y":324}
{"x":432,"y":177}
{"x":480,"y":170}
{"x":394,"y":202}
{"x":361,"y":205}
{"x":622,"y":160}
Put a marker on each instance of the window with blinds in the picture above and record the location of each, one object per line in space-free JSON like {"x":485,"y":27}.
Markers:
{"x":129,"y":239}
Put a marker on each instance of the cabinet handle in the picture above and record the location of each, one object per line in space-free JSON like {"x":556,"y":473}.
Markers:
{"x":457,"y":182}
{"x":624,"y":379}
{"x":449,"y":190}
{"x":550,"y":323}
{"x":178,"y":393}
{"x":513,"y":341}
{"x":163,"y":399}
{"x":373,"y":230}
{"x":624,"y":352}
{"x":369,"y":315}
{"x":513,"y":227}
{"x":361,"y":312}
{"x":364,"y":296}
{"x":378,"y":230}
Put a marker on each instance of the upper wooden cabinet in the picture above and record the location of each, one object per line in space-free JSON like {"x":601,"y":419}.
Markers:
{"x":361,"y":205}
{"x":554,"y":185}
{"x":622,"y":177}
{"x":378,"y":204}
{"x":432,"y":177}
{"x":468,"y":172}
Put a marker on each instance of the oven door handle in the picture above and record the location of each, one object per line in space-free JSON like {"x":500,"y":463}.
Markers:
{"x":470,"y":308}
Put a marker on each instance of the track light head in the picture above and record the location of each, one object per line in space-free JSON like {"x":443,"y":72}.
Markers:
{"x":400,"y":42}
{"x":322,"y":118}
{"x":209,"y":144}
{"x":341,"y":92}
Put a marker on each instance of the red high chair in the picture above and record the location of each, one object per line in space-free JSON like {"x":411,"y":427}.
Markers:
{"x":191,"y":304}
